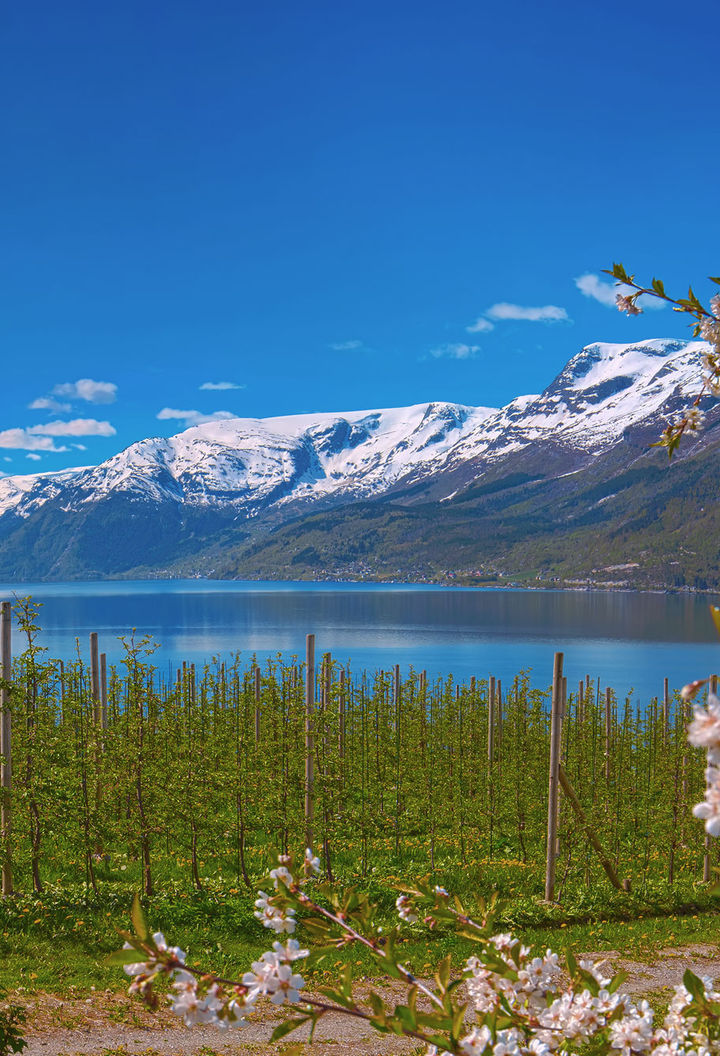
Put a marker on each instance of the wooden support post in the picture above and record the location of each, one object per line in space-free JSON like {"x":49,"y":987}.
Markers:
{"x":6,"y":749}
{"x":707,"y":867}
{"x":95,"y":677}
{"x":327,"y":680}
{"x":309,"y":736}
{"x":555,"y":735}
{"x":608,"y":733}
{"x":341,"y":715}
{"x":582,"y":818}
{"x":257,"y":703}
{"x":491,"y":719}
{"x":398,"y":742}
{"x":103,"y":691}
{"x":498,"y":716}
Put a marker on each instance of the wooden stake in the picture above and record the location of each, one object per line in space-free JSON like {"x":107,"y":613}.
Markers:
{"x":707,"y":868}
{"x":555,"y":734}
{"x":582,"y":818}
{"x":257,"y":704}
{"x":6,"y":748}
{"x":396,"y":706}
{"x":491,"y":719}
{"x":499,"y":716}
{"x":608,"y":730}
{"x":309,"y":736}
{"x":95,"y":677}
{"x":103,"y":691}
{"x":341,"y":715}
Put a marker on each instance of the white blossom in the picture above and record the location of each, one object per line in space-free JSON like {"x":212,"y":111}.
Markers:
{"x":312,"y":862}
{"x":627,"y":304}
{"x":476,"y":1041}
{"x":405,"y":909}
{"x":281,"y":875}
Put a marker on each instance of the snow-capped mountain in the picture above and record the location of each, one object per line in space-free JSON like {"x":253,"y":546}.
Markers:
{"x":250,"y":464}
{"x":246,"y":475}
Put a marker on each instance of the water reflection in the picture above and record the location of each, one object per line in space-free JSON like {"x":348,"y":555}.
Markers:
{"x":622,"y":637}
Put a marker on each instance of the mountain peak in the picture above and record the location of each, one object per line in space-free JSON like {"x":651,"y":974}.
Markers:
{"x":262,"y":471}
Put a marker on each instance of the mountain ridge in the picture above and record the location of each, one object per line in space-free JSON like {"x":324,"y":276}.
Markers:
{"x":217,"y":497}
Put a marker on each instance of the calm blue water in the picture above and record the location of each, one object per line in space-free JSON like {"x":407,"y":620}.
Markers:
{"x":628,"y":640}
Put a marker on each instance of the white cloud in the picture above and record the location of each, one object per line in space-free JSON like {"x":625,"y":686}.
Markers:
{"x":605,"y":292}
{"x":77,"y":427}
{"x":480,"y":326}
{"x":26,"y":440}
{"x":345,"y":346}
{"x":548,"y":313}
{"x":35,"y":458}
{"x":220,"y":386}
{"x":7,"y":458}
{"x":44,"y":404}
{"x":193,"y":417}
{"x":455,"y":351}
{"x":80,"y":447}
{"x":88,"y":390}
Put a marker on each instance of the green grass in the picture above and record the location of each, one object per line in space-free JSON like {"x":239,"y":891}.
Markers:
{"x":58,"y":942}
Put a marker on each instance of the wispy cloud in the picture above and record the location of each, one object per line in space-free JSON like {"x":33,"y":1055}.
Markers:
{"x":88,"y":390}
{"x":480,"y":326}
{"x":76,"y":427}
{"x":40,"y":437}
{"x":45,"y":404}
{"x":26,"y":440}
{"x":605,"y":292}
{"x":192,"y":417}
{"x":346,"y":346}
{"x":221,"y":386}
{"x":33,"y":456}
{"x":455,"y":351}
{"x":547,"y":313}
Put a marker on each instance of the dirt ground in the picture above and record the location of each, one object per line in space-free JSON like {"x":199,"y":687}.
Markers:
{"x":108,"y":1024}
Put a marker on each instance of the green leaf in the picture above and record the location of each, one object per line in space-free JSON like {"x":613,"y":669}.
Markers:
{"x":407,"y":1017}
{"x":715,"y":279}
{"x":138,"y":918}
{"x":658,"y":287}
{"x":121,"y":957}
{"x":442,"y":975}
{"x":618,"y":272}
{"x":617,"y":980}
{"x":376,"y":1003}
{"x":694,"y":985}
{"x":458,"y":1020}
{"x":287,"y":1026}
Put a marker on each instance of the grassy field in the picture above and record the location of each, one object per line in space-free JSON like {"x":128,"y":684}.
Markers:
{"x":183,"y":788}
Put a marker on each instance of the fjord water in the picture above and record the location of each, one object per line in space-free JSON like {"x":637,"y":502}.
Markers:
{"x":628,"y":640}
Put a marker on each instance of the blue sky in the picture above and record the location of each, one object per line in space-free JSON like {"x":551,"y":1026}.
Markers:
{"x":315,"y":204}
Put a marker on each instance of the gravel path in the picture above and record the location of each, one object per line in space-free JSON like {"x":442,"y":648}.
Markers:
{"x":109,"y":1024}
